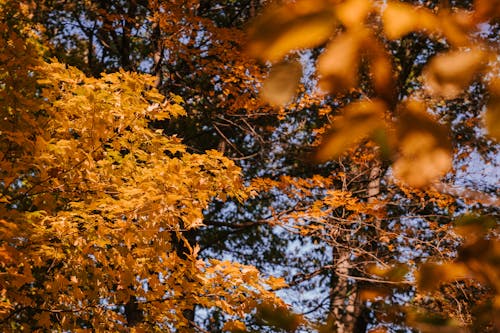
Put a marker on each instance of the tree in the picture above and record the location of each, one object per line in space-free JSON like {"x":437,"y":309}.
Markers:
{"x":95,"y":202}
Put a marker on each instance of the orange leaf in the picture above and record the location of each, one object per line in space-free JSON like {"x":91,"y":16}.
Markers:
{"x":400,"y":19}
{"x":360,"y":120}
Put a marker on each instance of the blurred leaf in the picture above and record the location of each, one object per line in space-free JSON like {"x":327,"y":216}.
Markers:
{"x":384,"y":137}
{"x":425,"y":149}
{"x":381,"y":70}
{"x":282,"y":83}
{"x":338,"y":65}
{"x":278,"y":31}
{"x":448,"y":74}
{"x":470,"y":225}
{"x":427,"y":322}
{"x":352,"y":13}
{"x":371,"y":294}
{"x":400,"y":19}
{"x":492,"y":117}
{"x":396,"y":273}
{"x":456,"y":26}
{"x":279,"y":317}
{"x":430,"y":276}
{"x":359,"y":120}
{"x":486,"y":10}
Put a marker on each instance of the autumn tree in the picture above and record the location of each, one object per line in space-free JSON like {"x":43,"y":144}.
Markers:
{"x":95,"y":202}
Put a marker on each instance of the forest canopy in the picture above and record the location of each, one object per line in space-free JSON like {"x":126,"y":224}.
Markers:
{"x":249,"y":166}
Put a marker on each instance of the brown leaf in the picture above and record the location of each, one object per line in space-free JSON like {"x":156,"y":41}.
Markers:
{"x":425,"y":149}
{"x":400,"y":19}
{"x":282,"y":83}
{"x":381,"y":70}
{"x":280,"y":30}
{"x":448,"y":74}
{"x":492,"y":116}
{"x":360,"y":120}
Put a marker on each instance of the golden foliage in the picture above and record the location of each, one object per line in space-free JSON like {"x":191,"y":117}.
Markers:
{"x":95,"y":203}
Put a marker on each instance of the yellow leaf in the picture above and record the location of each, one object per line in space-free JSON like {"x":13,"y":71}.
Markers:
{"x":276,"y":283}
{"x":282,"y":83}
{"x":352,"y":13}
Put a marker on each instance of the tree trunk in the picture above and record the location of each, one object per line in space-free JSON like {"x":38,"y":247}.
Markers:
{"x":347,"y":310}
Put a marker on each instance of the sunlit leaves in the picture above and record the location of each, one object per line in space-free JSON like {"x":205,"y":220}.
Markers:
{"x":110,"y":199}
{"x":301,"y":25}
{"x":234,"y":326}
{"x":425,"y":149}
{"x":359,"y":120}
